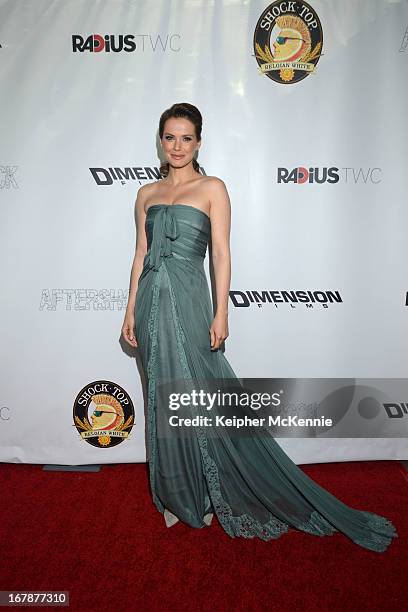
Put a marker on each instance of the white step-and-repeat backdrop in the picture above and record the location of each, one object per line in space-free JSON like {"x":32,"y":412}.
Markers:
{"x":305,"y":119}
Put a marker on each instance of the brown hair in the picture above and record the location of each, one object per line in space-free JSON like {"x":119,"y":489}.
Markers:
{"x":187,"y":111}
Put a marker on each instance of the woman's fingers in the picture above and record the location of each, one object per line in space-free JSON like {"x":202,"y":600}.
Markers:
{"x":129,"y":336}
{"x":215,"y":340}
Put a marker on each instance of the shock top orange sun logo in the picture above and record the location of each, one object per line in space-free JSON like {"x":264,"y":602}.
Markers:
{"x":288,"y":41}
{"x":103,"y":414}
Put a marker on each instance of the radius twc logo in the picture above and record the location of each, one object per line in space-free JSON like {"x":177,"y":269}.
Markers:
{"x":125,"y":43}
{"x":301,"y":175}
{"x":103,"y":414}
{"x":288,"y":41}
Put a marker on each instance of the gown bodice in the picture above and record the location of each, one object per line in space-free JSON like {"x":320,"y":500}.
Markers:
{"x":176,"y":229}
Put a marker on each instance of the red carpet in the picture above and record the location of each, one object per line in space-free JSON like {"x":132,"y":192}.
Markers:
{"x":98,"y":536}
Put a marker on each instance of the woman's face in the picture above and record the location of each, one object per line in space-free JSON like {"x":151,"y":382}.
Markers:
{"x":179,"y":141}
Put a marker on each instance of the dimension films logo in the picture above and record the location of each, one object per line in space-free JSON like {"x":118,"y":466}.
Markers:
{"x":103,"y":414}
{"x":108,"y":176}
{"x":396,"y":411}
{"x":315,"y":175}
{"x":129,"y":43}
{"x":288,"y":41}
{"x":244,"y":299}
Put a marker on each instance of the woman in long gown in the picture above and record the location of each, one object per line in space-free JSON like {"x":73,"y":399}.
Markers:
{"x":247,"y":481}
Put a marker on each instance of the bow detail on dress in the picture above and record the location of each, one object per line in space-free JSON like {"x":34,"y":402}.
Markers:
{"x":165,"y":230}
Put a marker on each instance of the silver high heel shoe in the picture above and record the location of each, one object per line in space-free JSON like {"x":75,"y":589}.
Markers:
{"x":208,"y":518}
{"x":170,"y":518}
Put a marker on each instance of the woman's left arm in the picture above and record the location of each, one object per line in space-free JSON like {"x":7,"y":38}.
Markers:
{"x":220,"y":215}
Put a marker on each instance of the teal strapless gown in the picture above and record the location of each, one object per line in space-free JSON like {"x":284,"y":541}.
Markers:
{"x":249,"y":483}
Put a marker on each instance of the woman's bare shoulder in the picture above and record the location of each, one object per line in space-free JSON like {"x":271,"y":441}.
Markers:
{"x":146,"y":192}
{"x":147,"y":189}
{"x":214,"y":187}
{"x":213,"y":180}
{"x":217,"y":194}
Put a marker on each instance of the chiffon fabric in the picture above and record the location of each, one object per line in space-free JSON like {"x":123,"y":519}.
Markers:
{"x":247,"y":481}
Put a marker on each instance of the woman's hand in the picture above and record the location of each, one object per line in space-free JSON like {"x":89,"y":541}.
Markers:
{"x":128,"y":329}
{"x":218,"y":330}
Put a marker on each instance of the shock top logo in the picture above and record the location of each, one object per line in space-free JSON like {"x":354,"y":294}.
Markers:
{"x":288,"y":41}
{"x":103,"y":414}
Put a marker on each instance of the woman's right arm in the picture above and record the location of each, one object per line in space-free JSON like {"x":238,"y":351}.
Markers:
{"x":128,"y":327}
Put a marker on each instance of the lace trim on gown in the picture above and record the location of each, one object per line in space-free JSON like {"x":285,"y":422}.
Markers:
{"x":243,"y":525}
